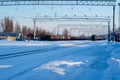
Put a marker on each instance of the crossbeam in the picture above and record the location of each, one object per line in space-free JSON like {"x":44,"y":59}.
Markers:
{"x":87,"y":19}
{"x":58,"y":2}
{"x":82,"y":25}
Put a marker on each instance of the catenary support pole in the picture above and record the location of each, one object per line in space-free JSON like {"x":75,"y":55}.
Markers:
{"x":114,"y":23}
{"x":34,"y":29}
{"x":119,"y":15}
{"x":108,"y":31}
{"x":58,"y":30}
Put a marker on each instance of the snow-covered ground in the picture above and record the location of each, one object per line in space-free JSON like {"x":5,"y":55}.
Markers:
{"x":59,"y":60}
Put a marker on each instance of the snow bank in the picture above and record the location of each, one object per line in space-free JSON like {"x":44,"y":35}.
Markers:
{"x":67,"y":44}
{"x":23,"y":43}
{"x":117,"y":60}
{"x":5,"y":66}
{"x":56,"y":66}
{"x":74,"y":44}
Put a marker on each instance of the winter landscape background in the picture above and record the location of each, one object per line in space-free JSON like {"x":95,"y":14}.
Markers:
{"x":59,"y":60}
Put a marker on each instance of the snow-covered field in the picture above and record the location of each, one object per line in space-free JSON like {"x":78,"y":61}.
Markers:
{"x":59,"y":60}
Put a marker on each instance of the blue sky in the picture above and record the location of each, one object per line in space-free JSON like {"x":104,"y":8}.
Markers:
{"x":24,"y":14}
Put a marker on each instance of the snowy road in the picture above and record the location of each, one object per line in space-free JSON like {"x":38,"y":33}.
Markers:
{"x":62,"y":60}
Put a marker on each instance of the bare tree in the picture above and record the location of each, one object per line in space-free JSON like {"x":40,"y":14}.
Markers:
{"x":38,"y":32}
{"x":17,"y":27}
{"x":30,"y":30}
{"x":43,"y":32}
{"x":2,"y":25}
{"x":24,"y":31}
{"x":11,"y":29}
{"x":65,"y":32}
{"x":8,"y":25}
{"x":6,"y":21}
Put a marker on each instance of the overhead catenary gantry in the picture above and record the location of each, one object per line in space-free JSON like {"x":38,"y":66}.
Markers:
{"x":62,"y":2}
{"x":80,"y":19}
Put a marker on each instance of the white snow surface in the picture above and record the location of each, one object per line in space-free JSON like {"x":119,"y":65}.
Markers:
{"x":22,"y":43}
{"x":117,"y":60}
{"x":5,"y":66}
{"x":59,"y":60}
{"x":55,"y":66}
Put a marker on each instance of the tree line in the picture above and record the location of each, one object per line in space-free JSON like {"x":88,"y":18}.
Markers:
{"x":7,"y":25}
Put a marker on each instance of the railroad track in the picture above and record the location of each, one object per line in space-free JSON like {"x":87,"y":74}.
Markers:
{"x":11,"y":55}
{"x":37,"y":51}
{"x":23,"y":53}
{"x":14,"y":76}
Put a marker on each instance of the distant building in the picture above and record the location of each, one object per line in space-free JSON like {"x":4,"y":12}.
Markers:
{"x":8,"y":36}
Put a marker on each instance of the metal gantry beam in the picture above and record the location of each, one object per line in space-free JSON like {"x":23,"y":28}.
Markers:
{"x":82,"y":25}
{"x":58,"y":2}
{"x":89,"y":19}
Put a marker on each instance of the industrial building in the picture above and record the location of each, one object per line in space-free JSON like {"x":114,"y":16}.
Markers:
{"x":8,"y":36}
